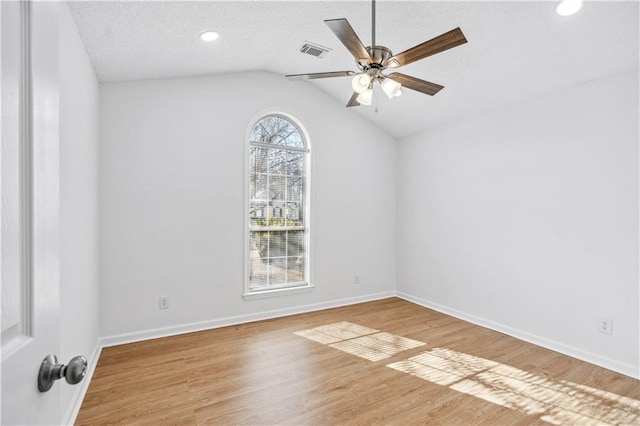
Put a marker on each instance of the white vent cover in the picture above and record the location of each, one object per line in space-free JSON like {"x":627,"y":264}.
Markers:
{"x":314,"y":49}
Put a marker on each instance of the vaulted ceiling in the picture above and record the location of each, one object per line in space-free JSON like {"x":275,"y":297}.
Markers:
{"x":516,"y":50}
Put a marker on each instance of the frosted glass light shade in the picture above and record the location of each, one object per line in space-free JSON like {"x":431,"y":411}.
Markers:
{"x":390,"y":87}
{"x":365,"y":97}
{"x":360,"y":82}
{"x":569,"y":7}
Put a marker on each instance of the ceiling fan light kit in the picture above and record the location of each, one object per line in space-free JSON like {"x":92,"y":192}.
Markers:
{"x":361,"y":82}
{"x":365,"y":97}
{"x":372,"y":60}
{"x":390,"y":87}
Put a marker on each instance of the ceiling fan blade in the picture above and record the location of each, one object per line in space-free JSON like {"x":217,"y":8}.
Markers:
{"x":416,"y":84}
{"x":438,"y":44}
{"x":345,"y":33}
{"x":352,"y":102}
{"x":320,"y":75}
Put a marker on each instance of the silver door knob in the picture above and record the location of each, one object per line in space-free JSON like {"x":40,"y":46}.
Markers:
{"x":50,"y":371}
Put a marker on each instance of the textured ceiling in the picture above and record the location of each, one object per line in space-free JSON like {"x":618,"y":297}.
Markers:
{"x":516,"y":50}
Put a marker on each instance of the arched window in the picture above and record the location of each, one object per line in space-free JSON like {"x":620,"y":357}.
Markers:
{"x":278,"y":206}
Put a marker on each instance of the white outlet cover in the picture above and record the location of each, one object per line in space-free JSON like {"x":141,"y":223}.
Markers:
{"x":605,"y":325}
{"x":164,"y":302}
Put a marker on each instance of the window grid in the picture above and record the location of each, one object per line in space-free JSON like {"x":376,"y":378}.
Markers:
{"x":277,"y":195}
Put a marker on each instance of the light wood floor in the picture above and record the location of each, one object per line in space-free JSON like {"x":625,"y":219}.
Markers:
{"x":383,"y":362}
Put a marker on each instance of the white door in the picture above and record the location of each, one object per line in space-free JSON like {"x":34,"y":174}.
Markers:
{"x":29,"y":173}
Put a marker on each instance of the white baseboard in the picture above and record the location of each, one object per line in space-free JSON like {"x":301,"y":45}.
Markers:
{"x":78,"y":397}
{"x":608,"y":363}
{"x":138,"y":336}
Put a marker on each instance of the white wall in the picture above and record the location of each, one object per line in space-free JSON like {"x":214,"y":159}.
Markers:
{"x":78,"y":204}
{"x":172,"y":198}
{"x":526,"y":220}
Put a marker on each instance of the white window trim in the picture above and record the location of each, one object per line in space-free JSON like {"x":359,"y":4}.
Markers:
{"x":276,"y":292}
{"x":308,"y":286}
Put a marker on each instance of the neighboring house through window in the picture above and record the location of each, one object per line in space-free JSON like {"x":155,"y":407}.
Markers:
{"x":278,"y":211}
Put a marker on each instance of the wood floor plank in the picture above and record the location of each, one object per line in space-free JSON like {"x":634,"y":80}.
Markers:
{"x":263,"y":373}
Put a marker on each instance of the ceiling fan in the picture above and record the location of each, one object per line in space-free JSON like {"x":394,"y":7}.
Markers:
{"x":373,"y":60}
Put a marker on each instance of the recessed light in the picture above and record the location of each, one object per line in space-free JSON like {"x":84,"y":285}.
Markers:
{"x":209,"y":36}
{"x":569,"y":7}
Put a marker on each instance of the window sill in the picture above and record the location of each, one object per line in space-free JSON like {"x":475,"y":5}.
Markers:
{"x":254,"y":295}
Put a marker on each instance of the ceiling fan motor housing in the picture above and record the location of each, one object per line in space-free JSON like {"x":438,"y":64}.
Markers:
{"x":379,"y":58}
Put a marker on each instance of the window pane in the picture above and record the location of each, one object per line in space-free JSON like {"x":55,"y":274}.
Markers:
{"x":257,"y":213}
{"x":262,"y":245}
{"x":292,"y":213}
{"x":277,"y":161}
{"x":254,"y":155}
{"x":258,"y":185}
{"x":277,"y":244}
{"x":258,"y":161}
{"x":295,"y":269}
{"x":277,"y":272}
{"x":277,"y":187}
{"x":257,"y":268}
{"x":276,"y":130}
{"x":294,"y":188}
{"x":295,"y":163}
{"x":295,"y":243}
{"x":295,"y":140}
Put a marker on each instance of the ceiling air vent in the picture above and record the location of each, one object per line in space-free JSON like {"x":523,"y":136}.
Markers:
{"x":314,"y":49}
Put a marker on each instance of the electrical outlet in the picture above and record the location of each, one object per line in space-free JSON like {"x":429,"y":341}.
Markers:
{"x":605,"y":325}
{"x":164,"y":302}
{"x":356,"y":279}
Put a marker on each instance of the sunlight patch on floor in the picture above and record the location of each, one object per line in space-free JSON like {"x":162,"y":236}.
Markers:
{"x":367,"y":343}
{"x":557,"y":402}
{"x":442,"y":370}
{"x":376,"y":346}
{"x":336,"y":332}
